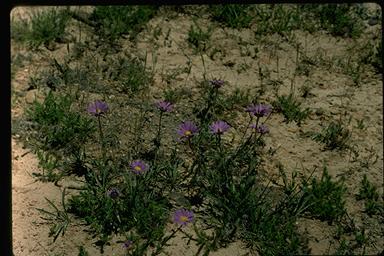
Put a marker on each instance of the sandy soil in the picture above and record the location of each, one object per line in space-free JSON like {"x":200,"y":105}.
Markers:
{"x":333,"y":94}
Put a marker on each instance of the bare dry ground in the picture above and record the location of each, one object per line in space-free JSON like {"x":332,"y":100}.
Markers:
{"x":333,"y":96}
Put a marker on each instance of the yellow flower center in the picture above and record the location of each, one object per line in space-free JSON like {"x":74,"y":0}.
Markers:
{"x":184,"y":218}
{"x":187,"y":133}
{"x":138,"y":168}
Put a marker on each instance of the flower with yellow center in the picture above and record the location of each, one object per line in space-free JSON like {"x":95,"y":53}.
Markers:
{"x":139,"y":167}
{"x":183,"y":217}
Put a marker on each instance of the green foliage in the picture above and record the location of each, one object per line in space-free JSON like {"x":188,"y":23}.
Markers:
{"x":238,"y":98}
{"x":334,"y":136}
{"x":368,"y":192}
{"x":44,"y":28}
{"x":130,"y":73}
{"x":82,"y":251}
{"x":338,"y":19}
{"x":278,"y":18}
{"x":198,"y":38}
{"x":57,"y":124}
{"x":115,"y":21}
{"x":325,"y":197}
{"x":232,"y":15}
{"x":49,"y":164}
{"x":290,"y":109}
{"x":138,"y":207}
{"x":59,"y":218}
{"x":173,"y":95}
{"x":372,"y":53}
{"x":275,"y":234}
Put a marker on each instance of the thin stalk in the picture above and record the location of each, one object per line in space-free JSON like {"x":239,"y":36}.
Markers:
{"x":219,"y":144}
{"x":165,"y":240}
{"x":101,"y":137}
{"x":158,"y":139}
{"x":205,"y":71}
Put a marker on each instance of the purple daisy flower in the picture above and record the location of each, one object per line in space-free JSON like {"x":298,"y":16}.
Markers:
{"x":139,"y":167}
{"x":113,"y":193}
{"x":219,"y":127}
{"x":182,"y":217}
{"x":164,"y":106}
{"x":259,"y":110}
{"x":187,"y":130}
{"x":217,"y":83}
{"x":97,"y":108}
{"x":262,"y":129}
{"x":127,"y":244}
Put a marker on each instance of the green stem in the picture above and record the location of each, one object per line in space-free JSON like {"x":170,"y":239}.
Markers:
{"x":219,"y":144}
{"x":255,"y":130}
{"x":101,"y":137}
{"x":165,"y":240}
{"x":158,"y":139}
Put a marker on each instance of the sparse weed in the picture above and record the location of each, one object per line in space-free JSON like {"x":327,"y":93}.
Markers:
{"x":306,"y":90}
{"x":236,"y":99}
{"x":290,"y":108}
{"x":372,"y":53}
{"x":325,"y":197}
{"x":59,"y":218}
{"x":368,"y":192}
{"x":232,"y":15}
{"x":172,"y":74}
{"x":334,"y":136}
{"x":58,"y":125}
{"x":276,"y":19}
{"x":82,"y":251}
{"x":115,"y":21}
{"x":44,"y":28}
{"x":338,"y":19}
{"x":49,"y":164}
{"x":305,"y":66}
{"x":361,"y":124}
{"x":198,"y":38}
{"x":130,"y":73}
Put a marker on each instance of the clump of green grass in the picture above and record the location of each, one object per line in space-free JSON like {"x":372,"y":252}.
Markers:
{"x":130,"y":73}
{"x":232,"y":15}
{"x":372,"y":53}
{"x":273,"y":232}
{"x":82,"y":251}
{"x":338,"y":19}
{"x":325,"y":197}
{"x":57,"y":124}
{"x":59,"y":137}
{"x":59,"y":219}
{"x":368,"y":192}
{"x":44,"y":27}
{"x":49,"y":164}
{"x":334,"y":136}
{"x":198,"y":38}
{"x":291,"y":108}
{"x":279,"y":19}
{"x":115,"y":21}
{"x":237,"y":98}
